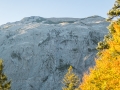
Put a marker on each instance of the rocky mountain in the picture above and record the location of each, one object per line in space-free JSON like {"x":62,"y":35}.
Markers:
{"x":37,"y":51}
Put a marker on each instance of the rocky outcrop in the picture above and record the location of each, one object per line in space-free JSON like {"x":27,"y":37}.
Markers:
{"x":38,"y":51}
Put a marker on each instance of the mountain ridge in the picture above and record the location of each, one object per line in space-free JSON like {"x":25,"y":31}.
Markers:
{"x":37,"y":54}
{"x":62,"y":19}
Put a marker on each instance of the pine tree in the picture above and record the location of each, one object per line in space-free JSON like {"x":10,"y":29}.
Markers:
{"x":105,"y":75}
{"x":4,"y":84}
{"x":115,"y":11}
{"x":71,"y":80}
{"x":112,"y":14}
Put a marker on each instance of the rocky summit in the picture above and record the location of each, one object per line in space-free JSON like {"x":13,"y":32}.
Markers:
{"x":37,"y":51}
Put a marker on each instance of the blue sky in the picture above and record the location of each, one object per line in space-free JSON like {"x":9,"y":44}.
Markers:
{"x":15,"y":10}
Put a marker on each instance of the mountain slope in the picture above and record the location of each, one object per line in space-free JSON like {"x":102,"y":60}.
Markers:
{"x":37,"y":51}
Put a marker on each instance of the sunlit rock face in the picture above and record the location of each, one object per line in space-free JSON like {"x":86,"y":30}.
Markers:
{"x":38,"y":51}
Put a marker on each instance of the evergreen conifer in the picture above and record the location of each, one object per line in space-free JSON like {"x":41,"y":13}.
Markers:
{"x":4,"y":84}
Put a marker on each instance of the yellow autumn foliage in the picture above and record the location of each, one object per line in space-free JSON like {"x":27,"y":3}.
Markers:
{"x":71,"y":80}
{"x":105,"y":75}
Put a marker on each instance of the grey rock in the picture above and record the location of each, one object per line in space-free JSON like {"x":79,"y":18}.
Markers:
{"x":38,"y":51}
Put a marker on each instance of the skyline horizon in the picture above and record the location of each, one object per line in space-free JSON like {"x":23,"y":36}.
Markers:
{"x":12,"y":11}
{"x":51,"y":17}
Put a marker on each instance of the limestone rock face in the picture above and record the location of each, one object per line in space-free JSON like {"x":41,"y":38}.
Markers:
{"x":38,"y":51}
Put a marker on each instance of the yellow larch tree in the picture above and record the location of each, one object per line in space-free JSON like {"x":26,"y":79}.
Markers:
{"x":105,"y":75}
{"x":71,"y":80}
